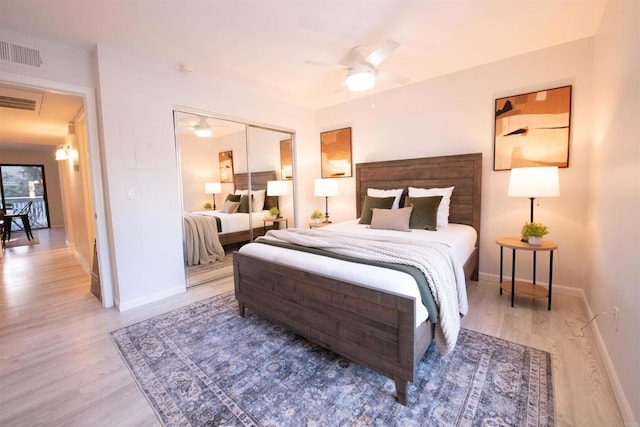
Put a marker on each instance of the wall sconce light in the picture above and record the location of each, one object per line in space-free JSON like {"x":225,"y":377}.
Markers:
{"x":63,"y":152}
{"x":326,"y":188}
{"x":213,"y":188}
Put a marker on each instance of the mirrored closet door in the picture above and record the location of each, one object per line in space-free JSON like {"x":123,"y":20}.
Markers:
{"x":233,"y":174}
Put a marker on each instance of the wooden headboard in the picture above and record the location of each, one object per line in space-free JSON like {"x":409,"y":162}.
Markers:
{"x":462,"y":171}
{"x":258,"y":182}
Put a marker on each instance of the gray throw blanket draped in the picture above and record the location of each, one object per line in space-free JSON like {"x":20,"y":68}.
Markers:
{"x":437,"y":262}
{"x":202,"y":243}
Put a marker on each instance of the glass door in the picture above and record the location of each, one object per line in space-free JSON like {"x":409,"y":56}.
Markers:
{"x":21,"y":184}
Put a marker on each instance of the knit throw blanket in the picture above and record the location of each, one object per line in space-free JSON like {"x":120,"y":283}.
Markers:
{"x":202,"y":242}
{"x":437,"y":262}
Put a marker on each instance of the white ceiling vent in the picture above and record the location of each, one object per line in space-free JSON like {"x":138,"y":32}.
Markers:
{"x":20,"y":99}
{"x":21,"y":55}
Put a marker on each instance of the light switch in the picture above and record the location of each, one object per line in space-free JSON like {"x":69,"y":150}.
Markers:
{"x":131,"y":192}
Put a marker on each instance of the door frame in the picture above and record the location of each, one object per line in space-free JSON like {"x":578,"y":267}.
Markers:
{"x":95,"y":170}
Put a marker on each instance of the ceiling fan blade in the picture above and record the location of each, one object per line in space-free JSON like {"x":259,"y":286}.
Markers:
{"x":376,"y":57}
{"x":324,"y":64}
{"x":394,"y":78}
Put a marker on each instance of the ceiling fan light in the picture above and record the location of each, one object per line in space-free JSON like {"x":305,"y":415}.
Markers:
{"x":361,"y":80}
{"x":203,"y":133}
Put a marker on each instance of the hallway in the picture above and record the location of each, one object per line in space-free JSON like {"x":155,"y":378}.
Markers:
{"x":57,"y":363}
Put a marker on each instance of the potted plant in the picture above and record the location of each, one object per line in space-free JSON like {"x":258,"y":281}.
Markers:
{"x":208,"y":205}
{"x":533,"y":232}
{"x":316,"y":216}
{"x":274,"y":212}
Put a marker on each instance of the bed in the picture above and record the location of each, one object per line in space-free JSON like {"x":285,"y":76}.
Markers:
{"x":205,"y":232}
{"x":377,"y":328}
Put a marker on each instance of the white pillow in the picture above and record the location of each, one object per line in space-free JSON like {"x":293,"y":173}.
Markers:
{"x":397,"y":193}
{"x":443,"y":208}
{"x":242,"y":192}
{"x":258,"y":200}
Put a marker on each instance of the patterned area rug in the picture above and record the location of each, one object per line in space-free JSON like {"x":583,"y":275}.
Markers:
{"x":204,"y":365}
{"x":202,"y":273}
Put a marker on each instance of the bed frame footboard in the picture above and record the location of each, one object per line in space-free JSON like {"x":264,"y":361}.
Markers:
{"x":373,"y":328}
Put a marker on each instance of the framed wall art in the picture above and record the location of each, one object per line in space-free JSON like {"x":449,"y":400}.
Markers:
{"x":286,"y":160}
{"x":335,"y":150}
{"x":225,"y":158}
{"x":532,"y":129}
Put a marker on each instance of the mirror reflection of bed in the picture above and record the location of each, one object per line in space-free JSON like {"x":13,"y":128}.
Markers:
{"x":211,"y":235}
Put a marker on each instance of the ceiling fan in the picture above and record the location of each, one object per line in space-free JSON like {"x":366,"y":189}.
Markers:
{"x":362,"y":74}
{"x":199,"y":126}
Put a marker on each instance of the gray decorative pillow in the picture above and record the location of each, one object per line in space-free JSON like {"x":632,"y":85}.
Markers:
{"x":229,"y":207}
{"x":425,"y":212}
{"x":391,"y":219}
{"x":233,"y":197}
{"x":374,"y":202}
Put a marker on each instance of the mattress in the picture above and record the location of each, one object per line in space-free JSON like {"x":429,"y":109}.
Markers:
{"x":461,"y":238}
{"x":231,"y":223}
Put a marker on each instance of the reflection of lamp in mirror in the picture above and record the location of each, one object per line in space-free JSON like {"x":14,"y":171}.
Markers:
{"x":326,"y":188}
{"x":276,"y":189}
{"x":534,"y":182}
{"x":213,"y":188}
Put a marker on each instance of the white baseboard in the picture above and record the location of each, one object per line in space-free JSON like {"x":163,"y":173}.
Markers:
{"x":83,"y":262}
{"x":621,"y":398}
{"x":127,"y":305}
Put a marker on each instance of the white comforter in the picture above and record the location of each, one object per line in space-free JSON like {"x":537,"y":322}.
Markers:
{"x":436,"y":260}
{"x":231,"y":223}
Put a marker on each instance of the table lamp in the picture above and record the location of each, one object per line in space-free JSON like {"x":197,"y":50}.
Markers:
{"x":326,"y":188}
{"x":213,"y":188}
{"x":277,"y":188}
{"x":533,"y":182}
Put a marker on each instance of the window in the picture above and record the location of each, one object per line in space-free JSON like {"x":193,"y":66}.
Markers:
{"x":21,"y":184}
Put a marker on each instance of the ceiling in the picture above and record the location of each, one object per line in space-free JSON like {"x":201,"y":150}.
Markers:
{"x":263,"y":45}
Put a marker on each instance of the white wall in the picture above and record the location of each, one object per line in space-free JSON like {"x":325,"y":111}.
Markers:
{"x":61,"y":63}
{"x":614,"y":196}
{"x":137,"y":98}
{"x":454,"y":114}
{"x":200,"y":164}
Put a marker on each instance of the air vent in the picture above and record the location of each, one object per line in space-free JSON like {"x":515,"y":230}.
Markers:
{"x":16,"y":54}
{"x":20,"y":99}
{"x":17,"y":103}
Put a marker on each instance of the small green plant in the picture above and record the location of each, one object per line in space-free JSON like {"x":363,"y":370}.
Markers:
{"x":533,"y":229}
{"x":208,"y":205}
{"x":316,"y":214}
{"x":274,"y":212}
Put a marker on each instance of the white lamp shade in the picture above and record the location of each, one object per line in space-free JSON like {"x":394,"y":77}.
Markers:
{"x":326,"y":187}
{"x":277,"y":188}
{"x":534,"y":182}
{"x":212,"y":188}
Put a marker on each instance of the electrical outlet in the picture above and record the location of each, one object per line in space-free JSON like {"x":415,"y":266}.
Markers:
{"x":616,"y":314}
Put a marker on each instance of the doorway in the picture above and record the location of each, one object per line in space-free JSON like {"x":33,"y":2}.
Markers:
{"x":86,"y":163}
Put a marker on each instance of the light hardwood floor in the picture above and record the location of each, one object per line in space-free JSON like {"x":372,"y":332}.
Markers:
{"x":58,"y":365}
